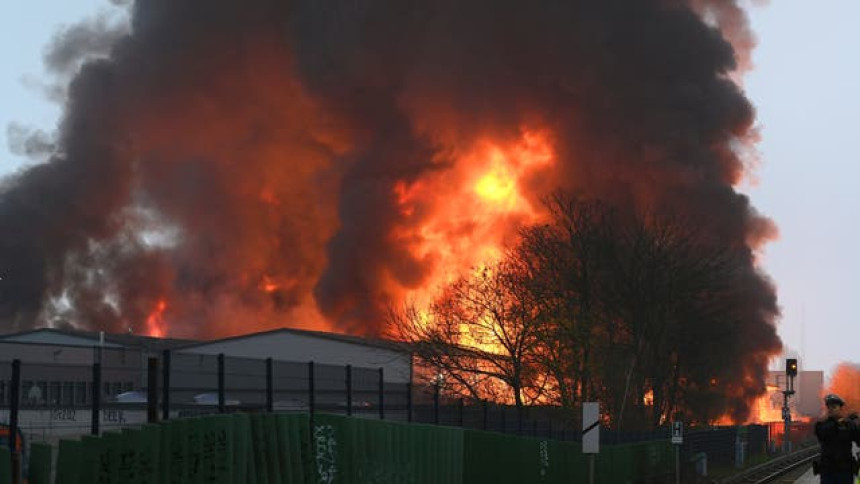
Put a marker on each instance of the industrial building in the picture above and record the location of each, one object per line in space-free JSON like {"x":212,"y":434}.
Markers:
{"x":301,"y":367}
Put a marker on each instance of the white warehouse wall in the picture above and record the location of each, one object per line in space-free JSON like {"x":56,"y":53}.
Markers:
{"x":298,"y":346}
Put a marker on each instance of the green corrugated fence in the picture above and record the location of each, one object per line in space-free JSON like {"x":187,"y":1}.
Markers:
{"x":5,"y":465}
{"x":40,"y":464}
{"x":282,"y":449}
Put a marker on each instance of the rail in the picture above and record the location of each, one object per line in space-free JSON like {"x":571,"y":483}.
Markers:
{"x":774,"y":468}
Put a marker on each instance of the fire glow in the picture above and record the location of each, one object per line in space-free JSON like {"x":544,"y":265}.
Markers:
{"x":155,"y":323}
{"x":310,"y":164}
{"x":475,"y":209}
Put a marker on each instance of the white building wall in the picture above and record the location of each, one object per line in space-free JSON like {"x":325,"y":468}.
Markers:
{"x":292,"y":346}
{"x":53,"y":338}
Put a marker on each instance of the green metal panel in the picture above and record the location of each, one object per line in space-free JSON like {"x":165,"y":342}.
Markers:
{"x":294,"y":444}
{"x":129,"y":456}
{"x":174,"y":451}
{"x":282,"y":449}
{"x":216,"y":458}
{"x":39,"y":469}
{"x":194,"y":450}
{"x":242,"y":449}
{"x":149,"y":455}
{"x":5,"y":465}
{"x":260,"y":451}
{"x":274,"y":454}
{"x":92,"y":449}
{"x":358,"y":451}
{"x":68,"y":462}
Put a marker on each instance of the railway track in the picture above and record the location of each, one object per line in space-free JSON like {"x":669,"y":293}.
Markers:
{"x":773,"y":469}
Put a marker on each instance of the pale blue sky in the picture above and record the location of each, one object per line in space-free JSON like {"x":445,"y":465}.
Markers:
{"x":804,"y":87}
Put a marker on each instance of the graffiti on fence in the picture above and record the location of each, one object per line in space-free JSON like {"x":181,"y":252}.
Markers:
{"x":326,"y":446}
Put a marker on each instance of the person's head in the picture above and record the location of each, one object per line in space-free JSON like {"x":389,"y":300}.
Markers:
{"x":834,"y":404}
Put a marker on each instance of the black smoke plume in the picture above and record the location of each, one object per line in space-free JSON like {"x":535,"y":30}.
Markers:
{"x":241,"y":160}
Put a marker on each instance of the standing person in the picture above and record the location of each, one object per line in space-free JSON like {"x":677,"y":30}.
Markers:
{"x":836,"y":431}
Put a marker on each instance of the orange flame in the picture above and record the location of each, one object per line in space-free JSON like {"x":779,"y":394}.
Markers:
{"x":471,"y":212}
{"x":155,"y":325}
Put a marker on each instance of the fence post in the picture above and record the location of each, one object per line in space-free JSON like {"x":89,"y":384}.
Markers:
{"x":152,"y":390}
{"x":486,"y":413}
{"x":381,"y":398}
{"x":14,"y":401}
{"x":349,"y":390}
{"x":311,"y":390}
{"x":165,"y":385}
{"x":221,"y":402}
{"x":270,"y":387}
{"x":409,"y":402}
{"x":436,"y":404}
{"x":97,"y":397}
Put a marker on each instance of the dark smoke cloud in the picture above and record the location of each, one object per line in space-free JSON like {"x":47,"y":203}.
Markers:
{"x":222,"y":144}
{"x":30,"y":143}
{"x":75,"y":44}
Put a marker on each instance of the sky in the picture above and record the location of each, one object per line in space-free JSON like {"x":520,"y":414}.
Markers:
{"x":804,"y":87}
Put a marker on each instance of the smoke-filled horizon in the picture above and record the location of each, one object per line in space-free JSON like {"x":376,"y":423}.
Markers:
{"x":235,"y":166}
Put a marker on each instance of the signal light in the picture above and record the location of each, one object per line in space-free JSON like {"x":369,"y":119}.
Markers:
{"x":791,"y":367}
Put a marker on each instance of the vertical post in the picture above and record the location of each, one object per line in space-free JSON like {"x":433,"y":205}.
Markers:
{"x":591,"y":468}
{"x":381,"y":398}
{"x":270,"y":386}
{"x":165,"y":385}
{"x":677,"y":464}
{"x":409,"y":402}
{"x":436,"y":404}
{"x":462,"y":409}
{"x":152,"y":390}
{"x":349,"y":390}
{"x":311,"y":390}
{"x":97,"y":397}
{"x":221,"y":407}
{"x":15,"y":399}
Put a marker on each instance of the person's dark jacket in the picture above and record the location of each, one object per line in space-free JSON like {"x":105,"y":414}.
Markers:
{"x":835,"y":437}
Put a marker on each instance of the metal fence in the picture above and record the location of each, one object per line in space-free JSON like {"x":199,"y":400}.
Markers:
{"x":69,"y":396}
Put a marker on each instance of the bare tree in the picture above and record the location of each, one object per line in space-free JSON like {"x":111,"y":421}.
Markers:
{"x":482,"y":333}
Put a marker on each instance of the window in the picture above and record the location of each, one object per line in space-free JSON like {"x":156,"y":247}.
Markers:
{"x":41,"y":392}
{"x":81,"y":393}
{"x":67,"y":397}
{"x":33,"y":393}
{"x":128,"y":386}
{"x":26,"y":385}
{"x":54,"y":393}
{"x":117,"y":388}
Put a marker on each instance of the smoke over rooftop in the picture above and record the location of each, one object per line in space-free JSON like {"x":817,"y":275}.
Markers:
{"x":228,"y":166}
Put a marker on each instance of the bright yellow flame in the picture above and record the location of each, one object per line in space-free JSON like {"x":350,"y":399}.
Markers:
{"x":496,"y":187}
{"x":648,"y":398}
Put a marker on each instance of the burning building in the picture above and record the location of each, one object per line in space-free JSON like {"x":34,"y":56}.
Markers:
{"x":234,"y":166}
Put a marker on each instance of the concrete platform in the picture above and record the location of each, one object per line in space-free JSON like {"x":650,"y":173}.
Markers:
{"x":808,"y":478}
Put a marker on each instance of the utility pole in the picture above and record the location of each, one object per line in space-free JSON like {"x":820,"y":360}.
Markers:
{"x":790,"y":373}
